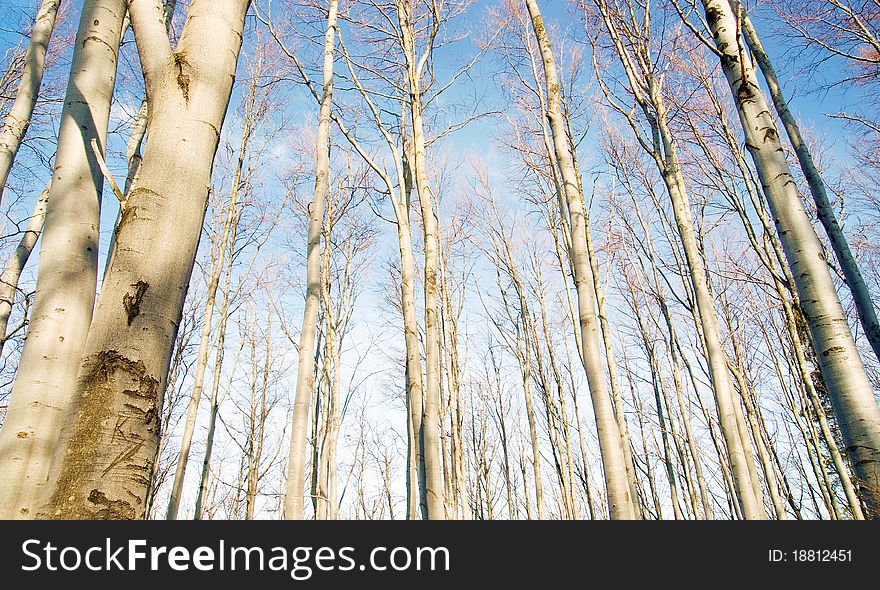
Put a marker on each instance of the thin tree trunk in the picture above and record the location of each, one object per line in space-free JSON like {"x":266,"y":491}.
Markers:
{"x":18,"y":118}
{"x":613,"y":379}
{"x":12,"y":272}
{"x":620,"y":501}
{"x":305,"y":377}
{"x":431,"y":415}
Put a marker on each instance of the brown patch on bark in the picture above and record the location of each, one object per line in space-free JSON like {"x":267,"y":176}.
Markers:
{"x":182,"y":78}
{"x":118,"y":401}
{"x":132,"y":301}
{"x":127,"y":215}
{"x":111,"y":509}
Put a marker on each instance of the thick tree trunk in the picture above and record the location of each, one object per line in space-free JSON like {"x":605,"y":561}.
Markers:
{"x":111,"y":436}
{"x":848,"y":387}
{"x":67,"y":275}
{"x":18,"y":118}
{"x":305,"y":376}
{"x":620,"y":501}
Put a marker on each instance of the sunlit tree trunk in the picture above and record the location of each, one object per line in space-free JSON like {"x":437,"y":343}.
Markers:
{"x":67,"y":275}
{"x":848,"y":387}
{"x":111,"y":436}
{"x":619,"y":498}
{"x":415,"y":65}
{"x":305,"y":377}
{"x":19,"y":116}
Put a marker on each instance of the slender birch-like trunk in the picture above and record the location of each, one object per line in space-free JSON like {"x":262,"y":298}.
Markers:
{"x":613,"y":379}
{"x":825,"y":212}
{"x":415,"y":66}
{"x":848,"y":387}
{"x":111,"y":436}
{"x":214,"y":411}
{"x":67,"y":275}
{"x":18,"y":118}
{"x":417,"y":505}
{"x":646,"y":88}
{"x":620,"y":501}
{"x":12,"y":272}
{"x":305,"y":376}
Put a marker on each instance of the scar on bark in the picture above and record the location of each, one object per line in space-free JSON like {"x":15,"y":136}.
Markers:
{"x":111,"y":509}
{"x":182,"y":79}
{"x":103,"y":374}
{"x":132,"y":301}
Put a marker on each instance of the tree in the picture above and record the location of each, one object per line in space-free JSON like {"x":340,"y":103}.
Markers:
{"x":125,"y":362}
{"x":844,"y":374}
{"x":67,"y":276}
{"x":305,"y":376}
{"x":19,"y":116}
{"x":633,"y":50}
{"x":620,"y":501}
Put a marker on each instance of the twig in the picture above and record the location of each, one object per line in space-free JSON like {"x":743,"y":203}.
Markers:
{"x":107,"y":174}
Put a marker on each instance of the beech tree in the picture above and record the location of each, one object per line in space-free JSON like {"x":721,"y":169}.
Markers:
{"x":621,"y":504}
{"x":67,"y":277}
{"x":188,"y":88}
{"x":844,"y":374}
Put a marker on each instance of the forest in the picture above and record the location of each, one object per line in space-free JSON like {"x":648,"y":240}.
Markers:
{"x":439,"y":259}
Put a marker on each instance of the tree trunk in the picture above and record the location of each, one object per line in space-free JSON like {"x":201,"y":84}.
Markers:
{"x":434,"y":490}
{"x":68,"y":269}
{"x":18,"y":118}
{"x":825,"y":212}
{"x":111,"y":436}
{"x":12,"y":272}
{"x":848,"y":387}
{"x":620,"y":501}
{"x":305,"y":376}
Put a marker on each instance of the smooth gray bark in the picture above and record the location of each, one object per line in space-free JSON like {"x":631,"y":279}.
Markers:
{"x":112,"y":435}
{"x":305,"y":376}
{"x":68,"y":270}
{"x":842,"y":370}
{"x":620,"y":502}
